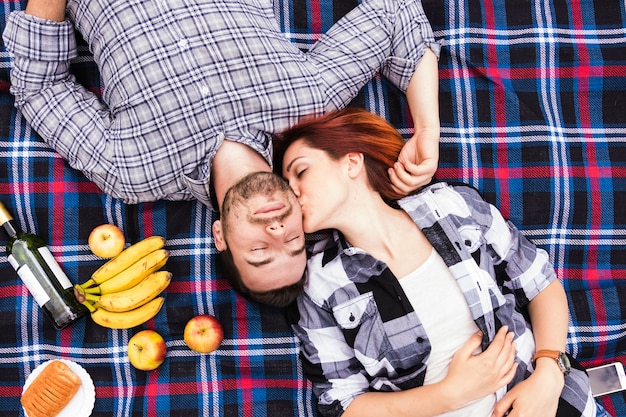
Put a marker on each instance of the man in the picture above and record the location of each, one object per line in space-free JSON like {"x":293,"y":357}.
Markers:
{"x":193,"y":91}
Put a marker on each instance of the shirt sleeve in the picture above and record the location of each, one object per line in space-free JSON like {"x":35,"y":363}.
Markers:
{"x":412,"y":35}
{"x":328,"y":361}
{"x":526,"y":266}
{"x":378,"y":36}
{"x":66,"y":115}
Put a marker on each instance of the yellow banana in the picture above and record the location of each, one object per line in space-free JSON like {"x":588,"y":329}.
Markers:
{"x":134,"y":297}
{"x":124,"y":260}
{"x":132,"y":275}
{"x":127,"y":319}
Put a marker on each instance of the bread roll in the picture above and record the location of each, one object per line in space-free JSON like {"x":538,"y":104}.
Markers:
{"x":51,"y":390}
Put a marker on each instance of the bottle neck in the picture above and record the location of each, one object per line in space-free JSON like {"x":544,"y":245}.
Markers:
{"x":10,"y":228}
{"x":6,"y":220}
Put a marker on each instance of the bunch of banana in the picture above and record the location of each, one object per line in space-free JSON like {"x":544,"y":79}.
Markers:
{"x":124,"y":292}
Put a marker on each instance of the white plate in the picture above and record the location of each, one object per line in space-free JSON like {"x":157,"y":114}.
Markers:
{"x":81,"y":404}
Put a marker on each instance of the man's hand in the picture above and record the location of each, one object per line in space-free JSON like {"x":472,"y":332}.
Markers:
{"x":416,"y":163}
{"x":47,"y":9}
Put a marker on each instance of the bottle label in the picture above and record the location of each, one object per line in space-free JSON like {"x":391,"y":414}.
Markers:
{"x":54,"y":266}
{"x":29,"y":279}
{"x":13,"y":262}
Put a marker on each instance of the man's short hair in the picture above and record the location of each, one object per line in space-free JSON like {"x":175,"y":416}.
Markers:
{"x":280,"y":297}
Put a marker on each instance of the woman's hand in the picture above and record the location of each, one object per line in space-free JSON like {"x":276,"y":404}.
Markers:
{"x":472,"y":376}
{"x":537,"y":396}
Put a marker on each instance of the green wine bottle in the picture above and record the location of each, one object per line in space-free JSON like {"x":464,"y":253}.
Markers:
{"x":42,"y":275}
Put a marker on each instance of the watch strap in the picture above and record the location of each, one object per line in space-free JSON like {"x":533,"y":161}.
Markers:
{"x":559,"y":357}
{"x":546,"y":353}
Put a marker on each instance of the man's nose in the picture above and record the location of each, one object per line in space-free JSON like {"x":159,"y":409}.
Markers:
{"x":276,"y":227}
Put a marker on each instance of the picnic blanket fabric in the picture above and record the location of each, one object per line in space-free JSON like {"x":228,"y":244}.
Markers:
{"x":532,"y":110}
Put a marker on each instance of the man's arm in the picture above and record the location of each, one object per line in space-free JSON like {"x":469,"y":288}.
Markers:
{"x":47,"y":9}
{"x":68,"y":117}
{"x":418,"y":159}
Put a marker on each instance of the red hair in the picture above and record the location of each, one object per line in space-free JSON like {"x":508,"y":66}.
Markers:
{"x":349,"y":130}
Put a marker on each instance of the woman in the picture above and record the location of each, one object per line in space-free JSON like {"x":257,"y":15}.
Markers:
{"x":419,"y":308}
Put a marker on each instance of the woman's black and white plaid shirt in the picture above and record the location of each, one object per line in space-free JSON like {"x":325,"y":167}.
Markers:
{"x":360,"y":333}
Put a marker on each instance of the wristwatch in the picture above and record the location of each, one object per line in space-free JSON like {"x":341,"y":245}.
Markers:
{"x":560,"y":357}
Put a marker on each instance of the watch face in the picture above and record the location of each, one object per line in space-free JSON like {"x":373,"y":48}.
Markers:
{"x":564,"y":363}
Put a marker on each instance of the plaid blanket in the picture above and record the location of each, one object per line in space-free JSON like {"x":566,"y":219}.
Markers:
{"x":532,"y":111}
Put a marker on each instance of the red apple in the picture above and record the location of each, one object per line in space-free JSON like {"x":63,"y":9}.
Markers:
{"x":146,"y":350}
{"x":106,"y":241}
{"x":203,"y":333}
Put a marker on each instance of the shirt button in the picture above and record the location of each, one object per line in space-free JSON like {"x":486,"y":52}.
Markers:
{"x":183,"y":43}
{"x":204,"y":90}
{"x":420,"y":339}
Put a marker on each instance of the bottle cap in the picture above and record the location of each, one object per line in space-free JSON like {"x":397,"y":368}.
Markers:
{"x":5,"y":216}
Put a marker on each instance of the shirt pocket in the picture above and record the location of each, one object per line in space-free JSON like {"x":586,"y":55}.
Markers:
{"x":198,"y":184}
{"x":351,"y":313}
{"x":471,"y":237}
{"x":362,"y":328}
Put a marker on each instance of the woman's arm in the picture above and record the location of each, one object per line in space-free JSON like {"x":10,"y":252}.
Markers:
{"x":469,"y":378}
{"x":549,"y":317}
{"x":529,"y":273}
{"x":539,"y":394}
{"x":418,"y":159}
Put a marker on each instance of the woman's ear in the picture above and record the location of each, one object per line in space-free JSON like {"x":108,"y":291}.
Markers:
{"x":218,"y":236}
{"x":355,"y":162}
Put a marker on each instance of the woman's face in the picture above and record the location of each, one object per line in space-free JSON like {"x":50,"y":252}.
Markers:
{"x":319,"y":182}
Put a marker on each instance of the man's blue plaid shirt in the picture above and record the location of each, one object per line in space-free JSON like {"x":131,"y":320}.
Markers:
{"x":180,"y":76}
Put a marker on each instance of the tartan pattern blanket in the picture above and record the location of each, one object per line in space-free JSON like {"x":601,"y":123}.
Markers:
{"x":532,"y":111}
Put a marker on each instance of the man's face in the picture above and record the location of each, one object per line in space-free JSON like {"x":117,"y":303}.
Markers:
{"x":262,"y":226}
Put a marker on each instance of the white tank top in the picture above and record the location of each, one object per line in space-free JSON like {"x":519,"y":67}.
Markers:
{"x":442,"y":308}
